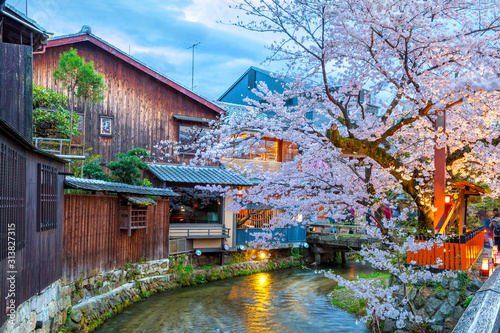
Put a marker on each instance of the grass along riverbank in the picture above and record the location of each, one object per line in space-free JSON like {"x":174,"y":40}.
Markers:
{"x":345,"y":299}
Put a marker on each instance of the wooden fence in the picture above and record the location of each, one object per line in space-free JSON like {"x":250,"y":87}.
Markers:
{"x":456,"y":254}
{"x":93,"y":239}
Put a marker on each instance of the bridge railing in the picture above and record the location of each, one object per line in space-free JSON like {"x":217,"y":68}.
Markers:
{"x":336,"y":229}
{"x":458,"y":253}
{"x":291,"y":234}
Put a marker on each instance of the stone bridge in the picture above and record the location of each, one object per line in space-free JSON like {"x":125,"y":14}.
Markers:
{"x":326,"y":240}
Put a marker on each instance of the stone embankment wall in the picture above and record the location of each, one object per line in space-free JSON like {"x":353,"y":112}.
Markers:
{"x":483,"y":313}
{"x":85,"y":304}
{"x":443,"y":303}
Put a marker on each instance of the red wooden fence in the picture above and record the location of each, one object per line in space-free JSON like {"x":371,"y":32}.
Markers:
{"x":456,"y":254}
{"x":93,"y":239}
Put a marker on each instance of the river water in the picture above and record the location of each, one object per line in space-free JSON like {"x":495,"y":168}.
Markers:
{"x":290,"y":300}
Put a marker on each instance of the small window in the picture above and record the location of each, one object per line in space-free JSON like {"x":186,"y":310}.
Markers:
{"x":132,"y":216}
{"x":138,"y":217}
{"x":106,"y":126}
{"x":47,"y":197}
{"x":289,"y":151}
{"x":190,"y":134}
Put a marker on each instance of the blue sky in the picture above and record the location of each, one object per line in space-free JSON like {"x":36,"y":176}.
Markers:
{"x":159,"y":34}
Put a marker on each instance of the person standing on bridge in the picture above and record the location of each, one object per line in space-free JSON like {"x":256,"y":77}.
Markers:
{"x":495,"y":226}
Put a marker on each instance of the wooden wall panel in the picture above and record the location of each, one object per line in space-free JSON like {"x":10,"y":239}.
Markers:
{"x":16,"y":81}
{"x":93,"y":239}
{"x":39,"y":263}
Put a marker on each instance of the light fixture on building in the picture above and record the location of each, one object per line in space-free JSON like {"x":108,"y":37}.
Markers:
{"x":304,"y":245}
{"x":198,"y":252}
{"x":241,"y":248}
{"x":226,"y":247}
{"x":485,"y":267}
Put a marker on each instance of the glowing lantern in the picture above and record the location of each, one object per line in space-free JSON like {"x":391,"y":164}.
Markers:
{"x":485,"y":267}
{"x":447,"y":199}
{"x":497,"y":259}
{"x":262,"y":255}
{"x":494,"y":251}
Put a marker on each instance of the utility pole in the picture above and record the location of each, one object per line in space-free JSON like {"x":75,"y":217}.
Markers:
{"x":192,"y":65}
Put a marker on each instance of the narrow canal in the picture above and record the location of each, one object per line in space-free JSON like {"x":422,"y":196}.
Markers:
{"x":291,"y":300}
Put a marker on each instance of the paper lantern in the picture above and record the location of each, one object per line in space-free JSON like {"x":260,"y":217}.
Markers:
{"x":485,"y":267}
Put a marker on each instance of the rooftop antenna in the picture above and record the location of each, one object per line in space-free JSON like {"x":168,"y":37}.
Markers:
{"x":192,"y":65}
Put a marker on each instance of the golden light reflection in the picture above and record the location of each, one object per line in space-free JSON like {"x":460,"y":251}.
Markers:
{"x":262,"y":279}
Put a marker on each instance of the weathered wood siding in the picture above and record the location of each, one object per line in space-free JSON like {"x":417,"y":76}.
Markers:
{"x":142,"y":106}
{"x":93,"y":239}
{"x":39,"y":262}
{"x":16,"y":103}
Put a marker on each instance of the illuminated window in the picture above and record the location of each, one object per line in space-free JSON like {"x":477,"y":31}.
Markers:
{"x":289,"y":151}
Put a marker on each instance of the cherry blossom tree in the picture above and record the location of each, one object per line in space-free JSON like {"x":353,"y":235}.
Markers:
{"x":371,"y":80}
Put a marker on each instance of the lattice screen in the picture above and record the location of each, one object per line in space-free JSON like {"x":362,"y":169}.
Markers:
{"x":12,"y":200}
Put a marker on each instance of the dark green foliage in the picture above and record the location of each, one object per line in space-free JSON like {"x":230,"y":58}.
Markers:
{"x":129,"y":166}
{"x":90,"y":84}
{"x":55,"y":124}
{"x":93,"y":169}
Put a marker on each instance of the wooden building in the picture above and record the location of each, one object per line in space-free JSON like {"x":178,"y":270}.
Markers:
{"x":141,"y":106}
{"x":31,"y":186}
{"x":199,"y":219}
{"x":112,"y":224}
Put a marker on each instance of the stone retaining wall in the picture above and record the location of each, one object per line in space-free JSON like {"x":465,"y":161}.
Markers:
{"x":483,"y":313}
{"x":443,"y":303}
{"x":85,"y":304}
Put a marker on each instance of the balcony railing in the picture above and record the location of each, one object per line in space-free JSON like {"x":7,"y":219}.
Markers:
{"x":51,"y":145}
{"x":292,"y":234}
{"x":194,"y":232}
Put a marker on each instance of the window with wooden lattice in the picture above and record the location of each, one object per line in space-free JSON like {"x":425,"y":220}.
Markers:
{"x":132,"y":216}
{"x":47,"y":197}
{"x":138,"y":216}
{"x":12,"y":200}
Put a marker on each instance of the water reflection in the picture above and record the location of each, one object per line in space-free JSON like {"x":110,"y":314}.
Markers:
{"x":292,"y":300}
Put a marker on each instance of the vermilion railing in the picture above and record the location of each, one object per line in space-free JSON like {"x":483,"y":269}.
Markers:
{"x":456,"y":254}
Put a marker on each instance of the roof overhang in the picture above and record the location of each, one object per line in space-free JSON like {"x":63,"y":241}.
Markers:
{"x":105,"y":186}
{"x":179,"y":175}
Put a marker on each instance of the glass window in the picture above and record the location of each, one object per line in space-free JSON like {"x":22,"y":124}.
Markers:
{"x":189,"y":134}
{"x":289,"y":151}
{"x":271,"y":150}
{"x":195,"y":206}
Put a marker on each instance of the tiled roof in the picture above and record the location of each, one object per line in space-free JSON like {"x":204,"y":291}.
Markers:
{"x":197,"y":175}
{"x":23,"y":17}
{"x":103,"y":186}
{"x":142,"y":201}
